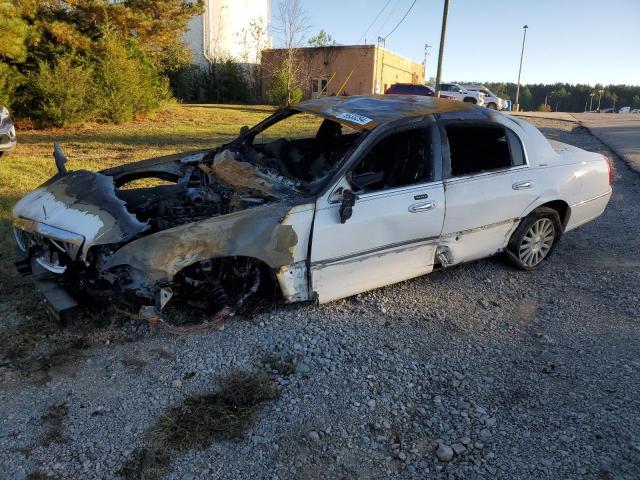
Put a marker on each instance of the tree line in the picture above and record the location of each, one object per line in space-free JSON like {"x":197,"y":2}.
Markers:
{"x":565,"y":97}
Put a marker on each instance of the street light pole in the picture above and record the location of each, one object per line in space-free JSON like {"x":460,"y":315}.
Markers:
{"x":524,"y":37}
{"x":443,"y":33}
{"x":591,"y":101}
{"x":600,"y":98}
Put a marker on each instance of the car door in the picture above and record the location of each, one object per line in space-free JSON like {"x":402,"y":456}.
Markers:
{"x":395,"y":224}
{"x":488,"y":186}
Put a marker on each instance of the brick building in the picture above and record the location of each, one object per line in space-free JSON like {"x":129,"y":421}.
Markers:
{"x":362,"y":69}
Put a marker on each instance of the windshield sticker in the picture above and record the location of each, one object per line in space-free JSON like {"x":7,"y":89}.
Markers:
{"x":354,"y":118}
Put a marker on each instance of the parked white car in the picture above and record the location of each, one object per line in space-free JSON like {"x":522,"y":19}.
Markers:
{"x":8,"y":139}
{"x":491,"y":100}
{"x":453,"y":91}
{"x":384,"y":189}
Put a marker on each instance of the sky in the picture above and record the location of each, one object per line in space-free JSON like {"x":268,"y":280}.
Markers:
{"x":572,"y":41}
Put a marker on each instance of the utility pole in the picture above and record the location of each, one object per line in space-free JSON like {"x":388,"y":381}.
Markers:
{"x":591,"y":101}
{"x":426,"y":53}
{"x":443,"y":33}
{"x":524,"y":37}
{"x":384,"y":45}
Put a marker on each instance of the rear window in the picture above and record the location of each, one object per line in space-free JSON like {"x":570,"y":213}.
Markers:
{"x":479,"y":148}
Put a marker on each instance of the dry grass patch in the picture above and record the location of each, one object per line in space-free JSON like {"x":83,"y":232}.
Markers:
{"x":199,"y":420}
{"x":224,"y":414}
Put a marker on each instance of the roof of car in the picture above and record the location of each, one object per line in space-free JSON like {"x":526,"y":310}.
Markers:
{"x":365,"y":112}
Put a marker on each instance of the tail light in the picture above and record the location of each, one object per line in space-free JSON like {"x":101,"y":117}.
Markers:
{"x":610,"y":170}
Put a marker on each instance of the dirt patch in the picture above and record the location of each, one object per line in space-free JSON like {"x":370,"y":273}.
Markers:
{"x":39,"y":350}
{"x":54,"y":419}
{"x":146,"y":464}
{"x":281,"y":365}
{"x":38,"y":475}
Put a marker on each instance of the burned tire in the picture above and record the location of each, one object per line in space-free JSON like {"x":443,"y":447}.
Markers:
{"x":535,"y":238}
{"x":470,"y":100}
{"x":229,"y":283}
{"x":492,"y":106}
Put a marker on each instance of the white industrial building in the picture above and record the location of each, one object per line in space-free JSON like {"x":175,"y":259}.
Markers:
{"x":223,"y":31}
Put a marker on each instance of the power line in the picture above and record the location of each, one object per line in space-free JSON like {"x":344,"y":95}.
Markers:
{"x":393,"y":9}
{"x":374,"y":20}
{"x":401,"y":20}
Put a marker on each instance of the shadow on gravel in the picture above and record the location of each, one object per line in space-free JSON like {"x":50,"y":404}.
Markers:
{"x":199,"y":419}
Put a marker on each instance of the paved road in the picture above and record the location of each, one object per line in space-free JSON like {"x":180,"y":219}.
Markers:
{"x":619,"y":132}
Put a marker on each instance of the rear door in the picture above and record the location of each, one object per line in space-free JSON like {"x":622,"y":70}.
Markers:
{"x":396,"y":222}
{"x":488,"y":186}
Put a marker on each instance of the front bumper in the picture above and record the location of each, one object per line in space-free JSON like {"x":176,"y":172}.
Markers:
{"x":46,"y":244}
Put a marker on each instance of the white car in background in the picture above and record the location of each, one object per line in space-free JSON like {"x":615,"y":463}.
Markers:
{"x":491,"y":100}
{"x":453,"y":91}
{"x":8,"y":138}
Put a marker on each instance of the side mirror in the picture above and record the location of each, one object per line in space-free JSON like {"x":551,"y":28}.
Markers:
{"x":244,"y":129}
{"x":346,"y":208}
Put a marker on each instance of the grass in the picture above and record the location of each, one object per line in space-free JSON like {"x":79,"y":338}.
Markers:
{"x":177,"y":128}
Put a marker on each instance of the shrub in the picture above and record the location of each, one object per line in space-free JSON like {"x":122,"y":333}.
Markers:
{"x":219,"y":82}
{"x":279,"y":91}
{"x":127,"y":83}
{"x":10,"y":80}
{"x":61,"y":94}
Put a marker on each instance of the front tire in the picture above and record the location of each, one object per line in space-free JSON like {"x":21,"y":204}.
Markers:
{"x":492,"y":106}
{"x":535,"y":238}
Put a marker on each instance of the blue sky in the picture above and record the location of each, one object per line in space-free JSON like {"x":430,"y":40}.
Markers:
{"x":574,"y":41}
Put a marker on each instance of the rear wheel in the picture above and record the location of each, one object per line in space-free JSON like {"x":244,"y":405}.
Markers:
{"x":535,"y":238}
{"x":470,"y":100}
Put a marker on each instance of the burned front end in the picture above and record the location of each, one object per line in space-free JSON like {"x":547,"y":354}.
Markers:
{"x":141,"y":234}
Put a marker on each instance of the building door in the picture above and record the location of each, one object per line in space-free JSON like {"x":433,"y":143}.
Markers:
{"x":319,"y":87}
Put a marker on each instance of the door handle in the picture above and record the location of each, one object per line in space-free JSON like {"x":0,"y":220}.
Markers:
{"x":522,"y":185}
{"x":422,"y":207}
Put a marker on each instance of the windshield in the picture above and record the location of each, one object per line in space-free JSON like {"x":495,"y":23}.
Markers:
{"x":299,"y":146}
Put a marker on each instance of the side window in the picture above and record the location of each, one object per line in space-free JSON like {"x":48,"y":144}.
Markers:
{"x":397,"y":160}
{"x":479,"y":148}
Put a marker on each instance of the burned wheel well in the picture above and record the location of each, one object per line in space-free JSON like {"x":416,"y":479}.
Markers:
{"x":221,"y":282}
{"x":562,"y":208}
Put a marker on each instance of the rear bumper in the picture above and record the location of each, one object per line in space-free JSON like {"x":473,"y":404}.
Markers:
{"x":587,"y":210}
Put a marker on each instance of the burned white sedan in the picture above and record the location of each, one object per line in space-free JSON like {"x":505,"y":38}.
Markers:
{"x":380,"y":189}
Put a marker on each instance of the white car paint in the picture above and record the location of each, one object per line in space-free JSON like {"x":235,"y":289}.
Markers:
{"x":473,"y":217}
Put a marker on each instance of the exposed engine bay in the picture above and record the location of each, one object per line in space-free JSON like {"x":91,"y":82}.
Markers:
{"x":176,"y":228}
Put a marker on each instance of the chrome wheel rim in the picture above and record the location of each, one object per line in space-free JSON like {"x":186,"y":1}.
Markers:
{"x":537,"y":242}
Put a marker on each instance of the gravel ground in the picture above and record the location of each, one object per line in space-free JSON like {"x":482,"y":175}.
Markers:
{"x":479,"y":371}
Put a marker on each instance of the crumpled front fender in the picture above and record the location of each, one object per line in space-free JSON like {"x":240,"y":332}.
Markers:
{"x":257,"y":232}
